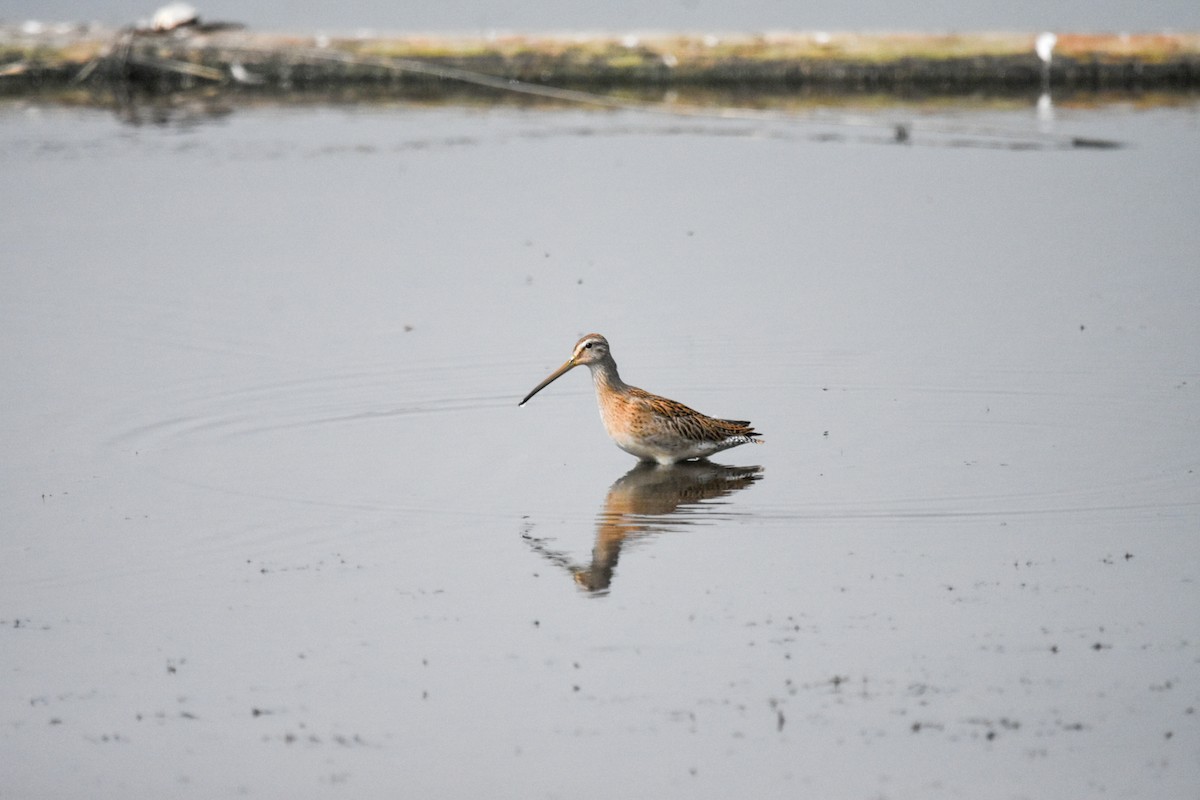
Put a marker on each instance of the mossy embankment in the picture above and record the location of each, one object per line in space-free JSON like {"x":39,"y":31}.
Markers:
{"x":426,"y":65}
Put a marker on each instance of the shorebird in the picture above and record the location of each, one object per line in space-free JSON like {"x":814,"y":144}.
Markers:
{"x":650,"y":427}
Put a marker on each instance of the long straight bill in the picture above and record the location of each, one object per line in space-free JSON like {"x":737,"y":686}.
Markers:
{"x":558,"y":373}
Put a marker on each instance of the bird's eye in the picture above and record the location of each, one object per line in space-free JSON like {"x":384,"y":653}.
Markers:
{"x":588,"y":346}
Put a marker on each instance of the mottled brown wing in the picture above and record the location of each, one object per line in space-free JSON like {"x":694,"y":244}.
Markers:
{"x":691,"y":424}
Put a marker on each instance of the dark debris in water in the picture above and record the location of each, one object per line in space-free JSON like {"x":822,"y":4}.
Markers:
{"x":305,"y":737}
{"x":23,"y":623}
{"x":1094,"y":144}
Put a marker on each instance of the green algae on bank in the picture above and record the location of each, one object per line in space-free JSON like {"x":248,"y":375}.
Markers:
{"x":429,"y":64}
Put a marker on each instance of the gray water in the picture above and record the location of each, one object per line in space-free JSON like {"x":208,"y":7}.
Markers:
{"x":622,"y":15}
{"x":274,"y":525}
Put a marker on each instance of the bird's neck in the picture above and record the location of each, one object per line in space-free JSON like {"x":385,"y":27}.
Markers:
{"x":604,"y":374}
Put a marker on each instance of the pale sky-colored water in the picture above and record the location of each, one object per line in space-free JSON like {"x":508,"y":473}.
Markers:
{"x":470,"y":15}
{"x":274,"y":525}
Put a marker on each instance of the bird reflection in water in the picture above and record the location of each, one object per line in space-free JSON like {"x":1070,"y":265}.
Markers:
{"x":649,"y":499}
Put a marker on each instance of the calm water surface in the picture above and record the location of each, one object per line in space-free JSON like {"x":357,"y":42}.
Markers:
{"x":275,"y":526}
{"x":739,"y":15}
